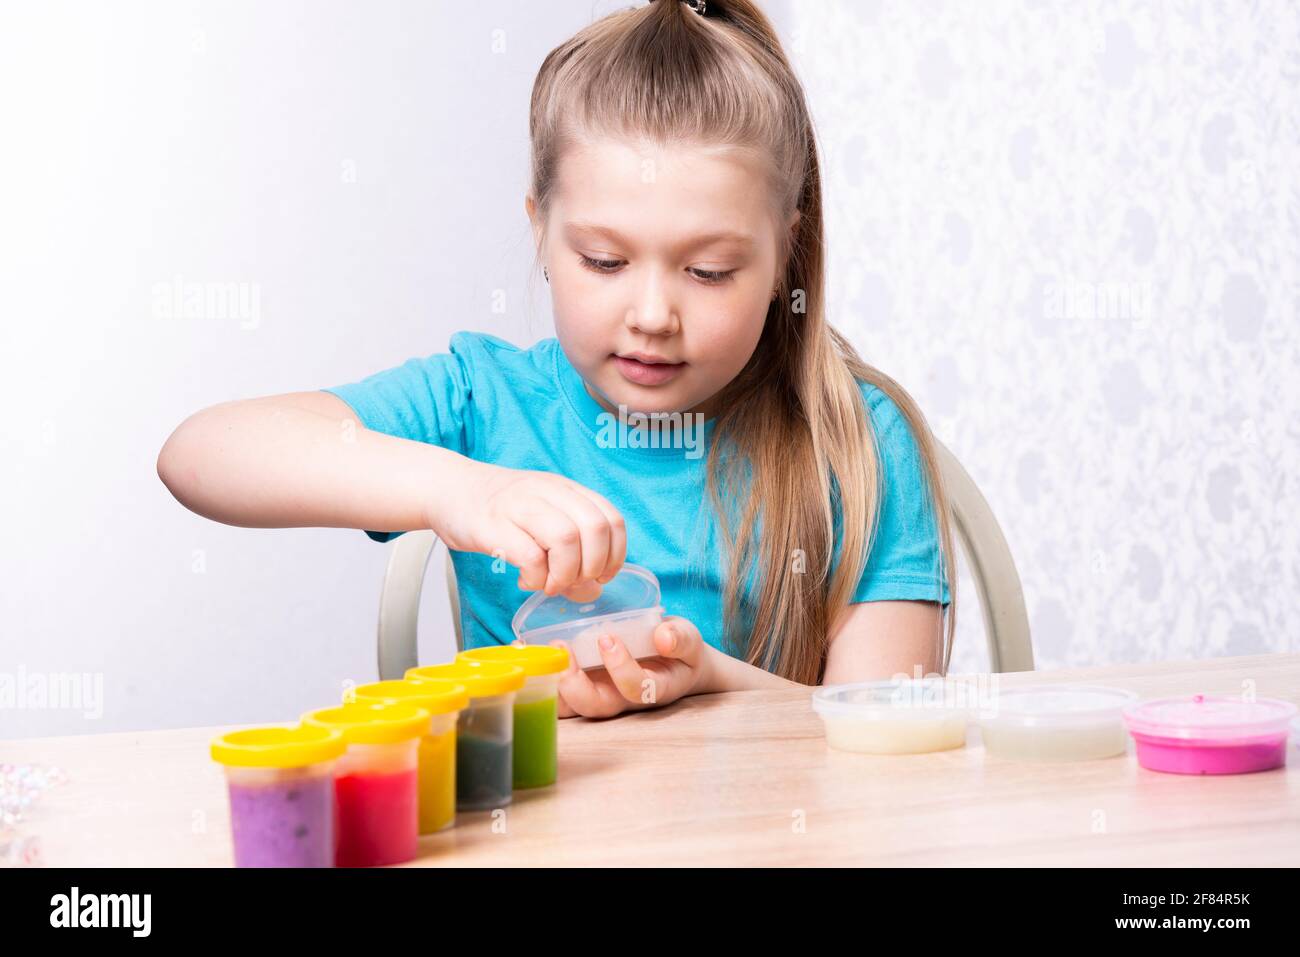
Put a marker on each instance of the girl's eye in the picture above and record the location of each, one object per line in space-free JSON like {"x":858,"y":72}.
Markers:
{"x":600,"y":265}
{"x":608,"y":266}
{"x":711,"y":276}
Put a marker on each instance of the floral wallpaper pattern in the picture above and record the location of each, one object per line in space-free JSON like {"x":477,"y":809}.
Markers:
{"x":1072,"y":231}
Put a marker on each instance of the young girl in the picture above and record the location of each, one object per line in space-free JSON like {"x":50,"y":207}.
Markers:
{"x":676,"y":206}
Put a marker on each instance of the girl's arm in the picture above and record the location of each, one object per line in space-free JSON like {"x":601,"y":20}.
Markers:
{"x":725,"y":673}
{"x":304,"y":459}
{"x":879,"y":639}
{"x":875,"y":641}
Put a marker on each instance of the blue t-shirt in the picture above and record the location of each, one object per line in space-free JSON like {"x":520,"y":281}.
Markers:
{"x":529,"y":409}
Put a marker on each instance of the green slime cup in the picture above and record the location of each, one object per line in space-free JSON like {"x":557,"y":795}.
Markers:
{"x":535,"y":762}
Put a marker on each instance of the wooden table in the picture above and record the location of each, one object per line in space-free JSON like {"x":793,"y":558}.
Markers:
{"x":743,"y":779}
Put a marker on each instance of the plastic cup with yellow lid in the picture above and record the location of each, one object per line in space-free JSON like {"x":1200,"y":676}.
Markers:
{"x":444,"y":700}
{"x":376,"y":782}
{"x":484,"y":730}
{"x":535,"y":762}
{"x":280,"y":780}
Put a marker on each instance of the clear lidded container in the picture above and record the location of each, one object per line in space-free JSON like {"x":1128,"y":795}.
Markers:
{"x":896,"y":716}
{"x":1056,"y":723}
{"x":627,"y":607}
{"x":1211,"y":734}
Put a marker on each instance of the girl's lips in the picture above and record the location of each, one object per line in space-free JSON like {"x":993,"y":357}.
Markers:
{"x":647,"y":373}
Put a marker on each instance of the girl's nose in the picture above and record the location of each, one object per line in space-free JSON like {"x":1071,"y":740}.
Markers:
{"x":654,"y":314}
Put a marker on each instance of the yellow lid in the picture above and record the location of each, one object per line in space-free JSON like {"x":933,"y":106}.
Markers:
{"x":278,"y":746}
{"x":372,"y":722}
{"x":481,"y":679}
{"x":534,"y":659}
{"x":436,"y":696}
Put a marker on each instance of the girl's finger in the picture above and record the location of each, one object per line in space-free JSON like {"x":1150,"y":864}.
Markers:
{"x":585,"y":696}
{"x":520,"y":550}
{"x":554,"y":531}
{"x":617,"y":533}
{"x":562,"y":707}
{"x":589,"y":698}
{"x":593,"y":529}
{"x":678,"y":638}
{"x":628,"y":676}
{"x":582,"y":591}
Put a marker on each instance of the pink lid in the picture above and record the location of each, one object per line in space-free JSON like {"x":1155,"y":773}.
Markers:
{"x":1217,"y":717}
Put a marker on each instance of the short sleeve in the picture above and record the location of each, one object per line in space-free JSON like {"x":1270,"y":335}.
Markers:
{"x":904,"y":562}
{"x":426,"y":400}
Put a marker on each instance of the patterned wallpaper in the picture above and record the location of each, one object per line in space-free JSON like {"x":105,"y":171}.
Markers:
{"x":1072,"y":231}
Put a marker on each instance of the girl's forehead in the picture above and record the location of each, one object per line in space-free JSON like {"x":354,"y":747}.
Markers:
{"x":647,"y":163}
{"x":612,"y":182}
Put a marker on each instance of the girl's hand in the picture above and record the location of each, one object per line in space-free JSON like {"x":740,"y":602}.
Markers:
{"x":626,"y":684}
{"x":562,"y":536}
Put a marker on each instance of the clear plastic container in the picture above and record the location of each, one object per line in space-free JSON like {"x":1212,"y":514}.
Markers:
{"x":281,"y":785}
{"x":1056,"y":723}
{"x":911,"y":716}
{"x":484,"y":730}
{"x":535,"y":753}
{"x":376,"y":786}
{"x":436,"y":755}
{"x":627,"y":607}
{"x":1210,"y":734}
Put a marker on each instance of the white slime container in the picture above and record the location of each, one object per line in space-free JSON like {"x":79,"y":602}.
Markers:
{"x":911,"y":716}
{"x":1057,"y":723}
{"x":627,"y":608}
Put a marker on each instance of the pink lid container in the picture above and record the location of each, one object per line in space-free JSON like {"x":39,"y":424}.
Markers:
{"x":1210,"y":734}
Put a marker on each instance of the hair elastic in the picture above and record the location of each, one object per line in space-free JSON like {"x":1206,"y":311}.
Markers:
{"x":696,"y":5}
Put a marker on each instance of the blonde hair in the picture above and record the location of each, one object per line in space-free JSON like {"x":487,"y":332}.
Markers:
{"x":795,"y":414}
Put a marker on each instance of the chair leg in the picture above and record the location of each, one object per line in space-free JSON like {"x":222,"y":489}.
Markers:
{"x":453,"y":600}
{"x":399,"y":602}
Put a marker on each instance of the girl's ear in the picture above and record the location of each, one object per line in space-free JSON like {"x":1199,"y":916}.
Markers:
{"x":530,"y":207}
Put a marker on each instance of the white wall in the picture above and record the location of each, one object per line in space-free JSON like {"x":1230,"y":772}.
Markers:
{"x":360,"y":168}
